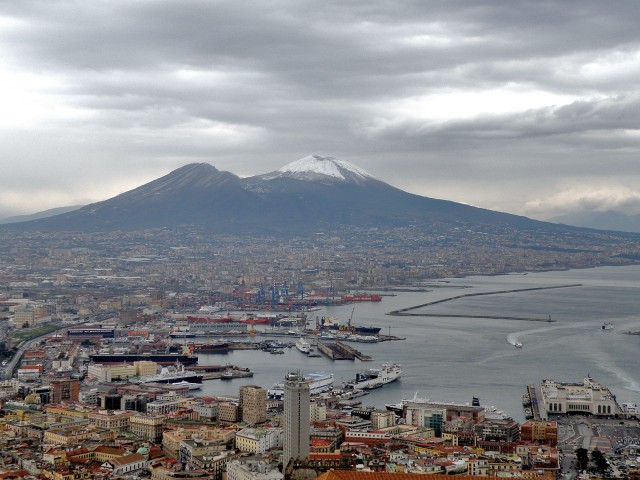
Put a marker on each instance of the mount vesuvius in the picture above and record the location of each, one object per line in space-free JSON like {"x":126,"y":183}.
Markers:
{"x":307,"y":195}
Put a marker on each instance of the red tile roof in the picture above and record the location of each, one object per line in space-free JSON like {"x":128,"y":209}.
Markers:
{"x":352,"y":475}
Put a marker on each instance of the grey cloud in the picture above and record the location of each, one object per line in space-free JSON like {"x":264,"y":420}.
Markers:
{"x":299,"y":77}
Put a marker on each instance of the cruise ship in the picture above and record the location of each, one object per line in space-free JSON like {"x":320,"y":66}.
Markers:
{"x":318,"y":382}
{"x":173,"y":374}
{"x":376,"y":377}
{"x":303,"y":345}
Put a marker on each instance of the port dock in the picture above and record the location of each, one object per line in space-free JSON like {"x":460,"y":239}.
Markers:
{"x":214,"y":372}
{"x":342,"y":351}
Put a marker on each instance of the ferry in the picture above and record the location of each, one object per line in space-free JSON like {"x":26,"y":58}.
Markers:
{"x":303,"y":345}
{"x":318,"y":382}
{"x":376,"y":377}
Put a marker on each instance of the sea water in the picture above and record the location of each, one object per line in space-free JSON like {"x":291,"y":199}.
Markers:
{"x":452,"y":359}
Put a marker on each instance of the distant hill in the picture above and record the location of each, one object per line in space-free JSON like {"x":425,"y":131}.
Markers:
{"x":38,"y":215}
{"x":305,"y":196}
{"x":608,"y":220}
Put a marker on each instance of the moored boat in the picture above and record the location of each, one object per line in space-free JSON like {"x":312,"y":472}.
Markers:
{"x":376,"y":377}
{"x":318,"y":382}
{"x":303,"y":345}
{"x":191,"y":385}
{"x":173,"y":374}
{"x":213,"y":347}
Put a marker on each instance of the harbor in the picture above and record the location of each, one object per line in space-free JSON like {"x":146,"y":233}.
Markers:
{"x":447,"y":357}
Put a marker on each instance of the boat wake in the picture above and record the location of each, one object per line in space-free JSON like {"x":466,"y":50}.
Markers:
{"x":513,"y":340}
{"x":608,"y":364}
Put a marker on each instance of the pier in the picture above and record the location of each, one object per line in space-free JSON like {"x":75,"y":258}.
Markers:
{"x":342,"y":351}
{"x":407,"y":312}
{"x":215,"y":372}
{"x":356,"y":353}
{"x":537,"y":403}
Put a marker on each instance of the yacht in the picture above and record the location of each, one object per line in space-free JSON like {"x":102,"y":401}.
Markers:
{"x":303,"y":345}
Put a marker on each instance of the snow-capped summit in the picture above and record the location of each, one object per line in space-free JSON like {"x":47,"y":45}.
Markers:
{"x":317,"y":167}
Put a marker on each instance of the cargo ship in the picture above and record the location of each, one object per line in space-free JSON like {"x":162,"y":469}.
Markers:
{"x":330,"y":323}
{"x":191,"y":319}
{"x":160,"y":358}
{"x":358,"y":329}
{"x":215,"y":347}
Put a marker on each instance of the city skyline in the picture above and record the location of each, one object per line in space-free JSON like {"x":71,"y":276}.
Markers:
{"x":529,"y":109}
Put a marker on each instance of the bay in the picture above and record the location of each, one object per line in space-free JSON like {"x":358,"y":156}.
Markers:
{"x":453,"y":359}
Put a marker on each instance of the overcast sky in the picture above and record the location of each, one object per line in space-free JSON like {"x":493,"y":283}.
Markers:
{"x":528,"y":107}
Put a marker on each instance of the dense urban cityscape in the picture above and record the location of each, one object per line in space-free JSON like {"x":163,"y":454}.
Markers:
{"x":363,"y":240}
{"x":101,"y":335}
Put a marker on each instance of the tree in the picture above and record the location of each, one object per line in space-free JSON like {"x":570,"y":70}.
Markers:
{"x":582,"y":456}
{"x":600,"y":461}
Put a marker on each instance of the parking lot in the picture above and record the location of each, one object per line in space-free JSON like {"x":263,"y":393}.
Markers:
{"x":616,"y":438}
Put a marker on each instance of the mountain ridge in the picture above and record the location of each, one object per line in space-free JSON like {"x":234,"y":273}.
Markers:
{"x":313,"y":192}
{"x":610,"y":220}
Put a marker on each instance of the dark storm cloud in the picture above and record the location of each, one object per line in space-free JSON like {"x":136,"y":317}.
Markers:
{"x":144,"y":87}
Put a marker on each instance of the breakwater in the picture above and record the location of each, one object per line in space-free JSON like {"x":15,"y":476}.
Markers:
{"x":409,"y":311}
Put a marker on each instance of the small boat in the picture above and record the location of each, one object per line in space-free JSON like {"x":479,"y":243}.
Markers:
{"x":607,"y":326}
{"x":517,"y":345}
